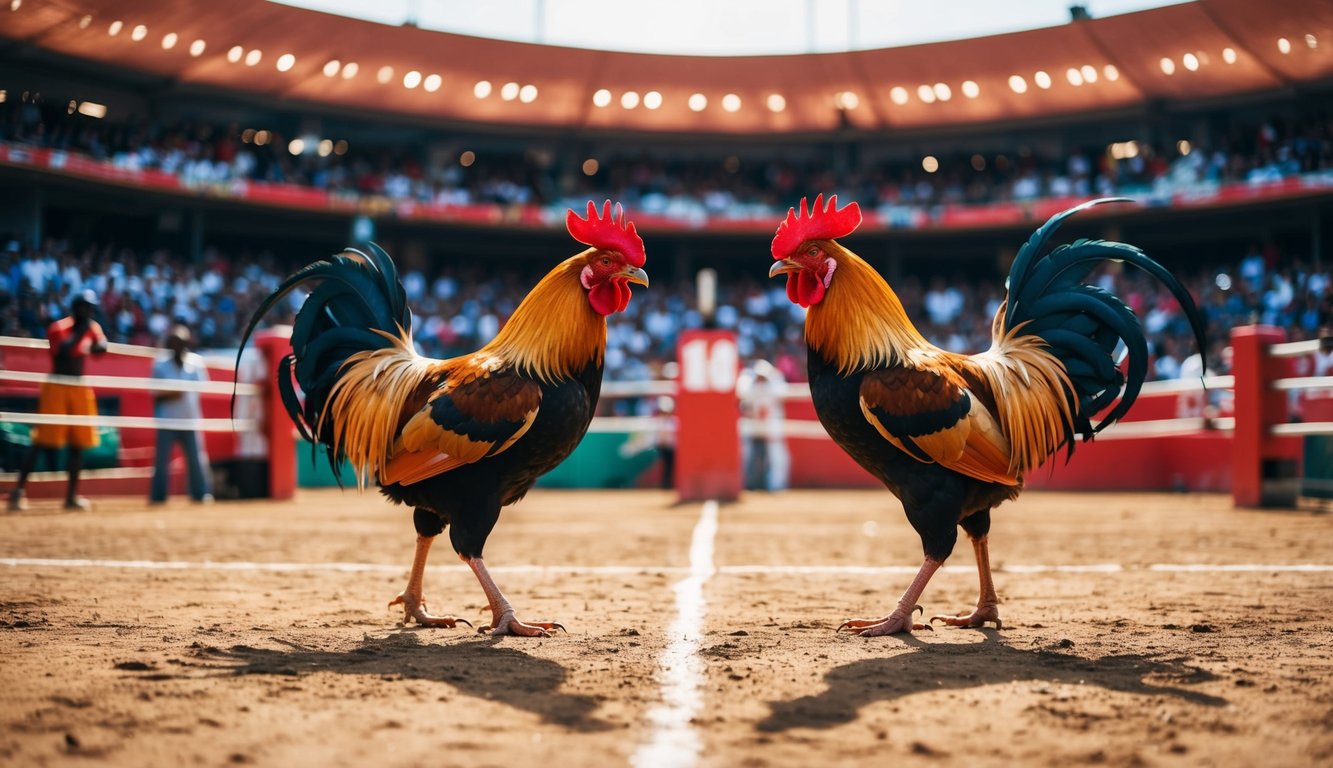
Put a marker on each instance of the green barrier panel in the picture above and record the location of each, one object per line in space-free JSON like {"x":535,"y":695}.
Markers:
{"x":16,"y":438}
{"x":1317,"y":469}
{"x":603,"y":460}
{"x":313,"y":470}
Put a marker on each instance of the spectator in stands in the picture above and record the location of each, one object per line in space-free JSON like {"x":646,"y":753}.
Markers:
{"x":180,"y":365}
{"x":72,"y":339}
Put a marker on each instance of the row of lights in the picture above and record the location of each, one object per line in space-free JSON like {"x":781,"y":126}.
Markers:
{"x":1192,"y":61}
{"x":1075,"y":76}
{"x":297,"y":146}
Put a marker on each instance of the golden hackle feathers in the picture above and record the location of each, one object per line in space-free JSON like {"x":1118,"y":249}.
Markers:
{"x":861,"y":323}
{"x":554,"y":332}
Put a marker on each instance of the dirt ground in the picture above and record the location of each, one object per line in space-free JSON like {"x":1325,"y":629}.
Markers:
{"x":118,"y":659}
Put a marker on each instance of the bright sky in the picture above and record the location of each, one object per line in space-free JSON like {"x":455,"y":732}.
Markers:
{"x":726,"y":27}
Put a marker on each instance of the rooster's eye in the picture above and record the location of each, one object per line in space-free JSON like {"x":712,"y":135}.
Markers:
{"x":606,"y":261}
{"x":813,"y":252}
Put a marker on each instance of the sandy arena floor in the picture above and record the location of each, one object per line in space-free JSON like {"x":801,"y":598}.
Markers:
{"x":267,"y":641}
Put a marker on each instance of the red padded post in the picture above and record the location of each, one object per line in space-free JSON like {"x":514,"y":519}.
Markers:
{"x":708,"y":444}
{"x":1258,"y":408}
{"x":276,"y":343}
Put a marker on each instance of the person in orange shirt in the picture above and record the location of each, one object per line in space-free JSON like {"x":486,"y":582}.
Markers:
{"x":72,"y":340}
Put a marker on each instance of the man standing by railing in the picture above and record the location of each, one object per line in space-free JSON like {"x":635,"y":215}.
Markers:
{"x":180,"y":365}
{"x":72,"y":339}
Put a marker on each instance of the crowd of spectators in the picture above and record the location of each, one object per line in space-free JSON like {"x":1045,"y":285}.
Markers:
{"x":438,"y":171}
{"x":457,"y":310}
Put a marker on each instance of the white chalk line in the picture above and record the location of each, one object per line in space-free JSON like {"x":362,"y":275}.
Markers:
{"x":657,"y":570}
{"x":673,"y":741}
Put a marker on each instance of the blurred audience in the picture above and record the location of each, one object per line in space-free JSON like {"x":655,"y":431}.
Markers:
{"x":458,"y":310}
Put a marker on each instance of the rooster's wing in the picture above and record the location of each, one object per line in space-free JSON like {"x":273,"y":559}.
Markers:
{"x":930,"y":414}
{"x":480,"y":409}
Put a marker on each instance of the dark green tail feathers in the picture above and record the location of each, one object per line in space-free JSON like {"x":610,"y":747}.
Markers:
{"x":1083,"y":324}
{"x":357,"y":293}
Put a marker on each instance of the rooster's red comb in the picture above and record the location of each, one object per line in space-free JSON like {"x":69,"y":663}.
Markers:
{"x":608,"y":232}
{"x":820,"y":223}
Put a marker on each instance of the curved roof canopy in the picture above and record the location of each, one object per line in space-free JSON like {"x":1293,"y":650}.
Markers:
{"x":1195,"y":51}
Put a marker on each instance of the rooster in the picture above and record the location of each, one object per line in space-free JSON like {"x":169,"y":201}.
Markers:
{"x":455,"y":439}
{"x":953,"y":435}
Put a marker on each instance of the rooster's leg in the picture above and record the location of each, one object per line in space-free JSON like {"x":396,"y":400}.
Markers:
{"x":901,"y":618}
{"x":414,"y":604}
{"x":503,"y":620}
{"x":988,"y":603}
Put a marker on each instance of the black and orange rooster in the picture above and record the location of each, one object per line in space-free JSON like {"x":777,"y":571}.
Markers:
{"x":952,"y":435}
{"x":456,"y":439}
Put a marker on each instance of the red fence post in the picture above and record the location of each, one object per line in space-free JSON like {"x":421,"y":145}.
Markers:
{"x":1258,"y":408}
{"x":708,"y":446}
{"x":275,"y":343}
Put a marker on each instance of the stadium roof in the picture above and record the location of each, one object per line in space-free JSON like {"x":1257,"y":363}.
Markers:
{"x":1180,"y":53}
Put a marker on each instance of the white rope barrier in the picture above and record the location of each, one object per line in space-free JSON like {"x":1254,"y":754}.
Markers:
{"x":114,"y":348}
{"x":1304,"y":382}
{"x":1294,"y":348}
{"x":133,"y":384}
{"x":1304,"y":428}
{"x":627,"y":389}
{"x":133,"y":422}
{"x":607,"y":424}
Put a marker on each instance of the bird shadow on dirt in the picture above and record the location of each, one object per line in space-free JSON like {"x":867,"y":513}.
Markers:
{"x":480,"y":668}
{"x":936,"y":666}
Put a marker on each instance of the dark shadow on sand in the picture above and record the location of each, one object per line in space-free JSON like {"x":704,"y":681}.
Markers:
{"x":480,"y":668}
{"x":970,"y":665}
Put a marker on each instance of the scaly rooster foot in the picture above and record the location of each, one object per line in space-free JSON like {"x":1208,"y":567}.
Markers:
{"x":508,"y":624}
{"x":974,"y":620}
{"x":898,"y":621}
{"x":414,"y":609}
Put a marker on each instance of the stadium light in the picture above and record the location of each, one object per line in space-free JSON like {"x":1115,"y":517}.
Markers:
{"x":285,"y":62}
{"x":1283,"y":45}
{"x":467,"y":158}
{"x":731,"y":102}
{"x":527,"y":94}
{"x":1229,"y":55}
{"x":591,"y":166}
{"x":197,"y":48}
{"x":169,"y":41}
{"x":1190,"y":61}
{"x":1017,"y":84}
{"x":350,"y":69}
{"x":138,"y":33}
{"x":115,"y":27}
{"x":509,"y":91}
{"x":925,"y":93}
{"x":325,"y":147}
{"x":1074,"y":77}
{"x":899,"y":95}
{"x":601,"y":98}
{"x":1311,"y":42}
{"x":1042,"y":79}
{"x":1089,"y":73}
{"x":412,"y":79}
{"x":482,"y":89}
{"x":652,"y":100}
{"x":92,"y":109}
{"x":943,"y":92}
{"x":384,"y":75}
{"x":698,"y":102}
{"x":970,"y":89}
{"x":1110,"y":72}
{"x":252,"y":58}
{"x":235,"y":53}
{"x":629,"y":99}
{"x":776,"y":102}
{"x":846,"y":100}
{"x":1168,"y":66}
{"x":331,"y":67}
{"x":86,"y":21}
{"x":296,"y":146}
{"x":432,"y":83}
{"x":14,"y":5}
{"x":930,"y":164}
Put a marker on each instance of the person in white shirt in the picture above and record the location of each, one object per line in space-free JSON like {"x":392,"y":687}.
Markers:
{"x":180,"y":365}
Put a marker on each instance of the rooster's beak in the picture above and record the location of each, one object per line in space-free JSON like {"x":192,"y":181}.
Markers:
{"x":634,"y":275}
{"x":783,"y":267}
